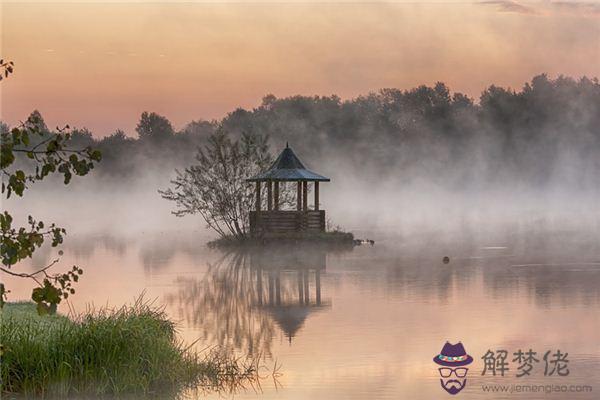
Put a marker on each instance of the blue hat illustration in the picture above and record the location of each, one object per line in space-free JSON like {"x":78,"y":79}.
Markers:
{"x":453,"y":355}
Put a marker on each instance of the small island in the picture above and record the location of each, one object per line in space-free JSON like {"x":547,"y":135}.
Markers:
{"x":225,"y":187}
{"x":287,"y":219}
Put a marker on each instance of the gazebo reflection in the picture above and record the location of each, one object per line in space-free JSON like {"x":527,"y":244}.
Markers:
{"x":285,"y":282}
{"x":246,"y":297}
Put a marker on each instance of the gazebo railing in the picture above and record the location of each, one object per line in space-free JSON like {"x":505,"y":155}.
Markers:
{"x":278,"y":222}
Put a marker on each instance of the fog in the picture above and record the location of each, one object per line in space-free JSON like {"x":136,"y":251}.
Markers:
{"x":400,"y":162}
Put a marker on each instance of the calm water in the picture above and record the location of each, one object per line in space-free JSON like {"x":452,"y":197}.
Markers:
{"x":366,"y":322}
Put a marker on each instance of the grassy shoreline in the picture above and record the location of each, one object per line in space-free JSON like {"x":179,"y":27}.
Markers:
{"x":133,"y":349}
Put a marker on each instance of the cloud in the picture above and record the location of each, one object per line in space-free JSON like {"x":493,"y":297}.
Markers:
{"x":576,"y":7}
{"x":585,"y":8}
{"x":510,"y":6}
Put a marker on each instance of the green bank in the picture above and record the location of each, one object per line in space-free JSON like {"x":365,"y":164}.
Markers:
{"x":133,"y":349}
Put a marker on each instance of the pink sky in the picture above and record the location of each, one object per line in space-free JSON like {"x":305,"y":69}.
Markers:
{"x":101,"y":65}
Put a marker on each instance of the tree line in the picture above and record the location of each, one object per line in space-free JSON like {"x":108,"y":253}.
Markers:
{"x":546,"y":132}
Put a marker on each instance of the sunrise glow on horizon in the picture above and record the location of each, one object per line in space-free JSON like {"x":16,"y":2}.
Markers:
{"x":100,"y":65}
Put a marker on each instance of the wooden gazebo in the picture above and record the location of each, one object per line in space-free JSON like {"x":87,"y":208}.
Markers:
{"x":273,"y":221}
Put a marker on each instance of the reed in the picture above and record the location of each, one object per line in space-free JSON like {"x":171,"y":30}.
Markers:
{"x":133,"y":349}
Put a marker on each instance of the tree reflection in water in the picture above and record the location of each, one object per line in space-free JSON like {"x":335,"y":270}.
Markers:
{"x":246,"y":297}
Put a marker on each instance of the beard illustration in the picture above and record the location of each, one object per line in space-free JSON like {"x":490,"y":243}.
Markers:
{"x":453,"y":386}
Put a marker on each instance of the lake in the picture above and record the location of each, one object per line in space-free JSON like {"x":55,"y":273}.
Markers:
{"x":365,"y":322}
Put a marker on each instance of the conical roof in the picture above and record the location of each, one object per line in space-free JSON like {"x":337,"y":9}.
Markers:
{"x":290,"y":319}
{"x":288,"y":167}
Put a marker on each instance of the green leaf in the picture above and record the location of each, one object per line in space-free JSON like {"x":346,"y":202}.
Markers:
{"x":42,"y":309}
{"x":2,"y":294}
{"x":96,"y":155}
{"x":25,"y":137}
{"x":6,"y":155}
{"x":37,"y":295}
{"x":52,"y":146}
{"x":52,"y":295}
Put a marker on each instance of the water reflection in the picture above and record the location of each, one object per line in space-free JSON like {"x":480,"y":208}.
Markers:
{"x":245,"y":297}
{"x":289,"y":276}
{"x":558,"y":267}
{"x":550,"y":268}
{"x":221,"y":305}
{"x":363,"y":323}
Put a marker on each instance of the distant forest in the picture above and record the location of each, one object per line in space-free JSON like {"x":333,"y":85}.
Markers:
{"x":547,"y":133}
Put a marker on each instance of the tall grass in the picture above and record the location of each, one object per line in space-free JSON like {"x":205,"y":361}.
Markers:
{"x":133,"y":349}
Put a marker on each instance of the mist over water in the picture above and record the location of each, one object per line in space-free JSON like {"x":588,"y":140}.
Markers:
{"x":382,"y":311}
{"x":93,"y":204}
{"x":461,"y":138}
{"x":134,"y":209}
{"x":399,"y":160}
{"x":523,"y":273}
{"x":516,"y":211}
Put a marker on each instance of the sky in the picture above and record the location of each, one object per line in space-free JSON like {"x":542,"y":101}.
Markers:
{"x":100,"y":65}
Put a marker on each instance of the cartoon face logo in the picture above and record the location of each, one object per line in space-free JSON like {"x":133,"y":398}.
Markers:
{"x":453,"y":373}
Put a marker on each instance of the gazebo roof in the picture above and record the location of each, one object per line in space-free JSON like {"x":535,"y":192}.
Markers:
{"x":287,"y":167}
{"x":290,"y":318}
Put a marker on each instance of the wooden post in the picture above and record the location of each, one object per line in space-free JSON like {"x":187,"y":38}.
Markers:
{"x":316,"y":195}
{"x":318,"y":285}
{"x":258,"y":196}
{"x":259,"y":285}
{"x":300,"y":288}
{"x":269,"y":195}
{"x":299,"y":193}
{"x":306,"y":294}
{"x":278,"y":287}
{"x":276,"y":198}
{"x":305,"y":196}
{"x":271,"y":289}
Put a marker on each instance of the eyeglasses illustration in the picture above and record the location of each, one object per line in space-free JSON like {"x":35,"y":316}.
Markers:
{"x":459,"y":372}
